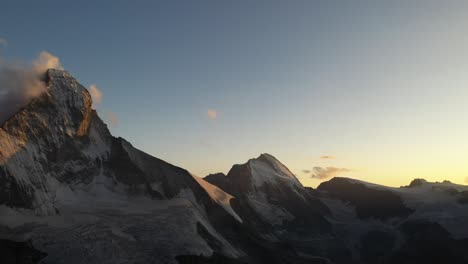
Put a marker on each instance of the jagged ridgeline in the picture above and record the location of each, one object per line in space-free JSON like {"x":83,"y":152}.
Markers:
{"x":70,"y":192}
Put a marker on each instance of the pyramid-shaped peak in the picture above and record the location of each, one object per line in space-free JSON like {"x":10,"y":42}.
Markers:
{"x":66,"y":90}
{"x":268,"y":157}
{"x":267,"y":168}
{"x":65,"y":104}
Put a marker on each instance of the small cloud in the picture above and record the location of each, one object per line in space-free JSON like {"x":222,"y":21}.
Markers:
{"x":3,"y":42}
{"x":322,"y":173}
{"x":112,"y":119}
{"x":96,"y":94}
{"x":20,"y":81}
{"x":466,"y":180}
{"x":306,"y":171}
{"x":212,"y":114}
{"x":327,"y":157}
{"x":46,"y":61}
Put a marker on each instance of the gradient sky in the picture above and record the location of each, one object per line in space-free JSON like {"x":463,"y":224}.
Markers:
{"x":382,"y":88}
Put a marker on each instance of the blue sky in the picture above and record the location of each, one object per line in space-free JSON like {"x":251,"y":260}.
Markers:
{"x":382,"y":87}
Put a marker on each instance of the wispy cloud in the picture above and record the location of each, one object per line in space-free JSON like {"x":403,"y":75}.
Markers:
{"x":46,"y":61}
{"x":212,"y":114}
{"x":20,"y":82}
{"x":322,"y":173}
{"x":96,"y":94}
{"x":327,"y":157}
{"x":306,"y":171}
{"x":3,"y":42}
{"x":112,"y":119}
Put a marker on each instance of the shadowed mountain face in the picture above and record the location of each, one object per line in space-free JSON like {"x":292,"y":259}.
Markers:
{"x":80,"y":195}
{"x":19,"y":253}
{"x":420,"y":223}
{"x":368,"y":202}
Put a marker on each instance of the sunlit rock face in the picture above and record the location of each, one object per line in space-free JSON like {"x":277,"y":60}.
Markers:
{"x":54,"y":139}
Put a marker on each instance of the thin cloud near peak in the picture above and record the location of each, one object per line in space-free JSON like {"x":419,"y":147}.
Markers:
{"x":96,"y":94}
{"x":323,"y":173}
{"x":112,"y":119}
{"x":21,"y":81}
{"x":212,"y":114}
{"x":327,"y":157}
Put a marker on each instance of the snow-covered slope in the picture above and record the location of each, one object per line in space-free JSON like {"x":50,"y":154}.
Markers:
{"x":218,"y":195}
{"x":267,"y":169}
{"x":269,"y":187}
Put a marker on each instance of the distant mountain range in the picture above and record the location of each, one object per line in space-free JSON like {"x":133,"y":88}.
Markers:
{"x":71,"y":193}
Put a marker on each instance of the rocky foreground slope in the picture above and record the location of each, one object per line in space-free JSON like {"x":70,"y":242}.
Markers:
{"x":70,"y":192}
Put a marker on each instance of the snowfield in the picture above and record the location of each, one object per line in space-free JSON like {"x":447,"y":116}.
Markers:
{"x":101,"y":226}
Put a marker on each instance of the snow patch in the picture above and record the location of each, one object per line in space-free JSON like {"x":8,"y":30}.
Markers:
{"x":262,"y":173}
{"x":219,"y":196}
{"x":273,"y":214}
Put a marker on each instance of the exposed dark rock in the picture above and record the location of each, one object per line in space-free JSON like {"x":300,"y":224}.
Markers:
{"x":13,"y":193}
{"x":12,"y":252}
{"x":463,"y":197}
{"x":428,"y":242}
{"x":417,"y":182}
{"x":214,"y":259}
{"x":376,"y":246}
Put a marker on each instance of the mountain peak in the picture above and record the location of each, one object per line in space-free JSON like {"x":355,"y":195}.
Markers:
{"x":55,"y":137}
{"x":417,"y":182}
{"x":62,"y":92}
{"x":64,"y":87}
{"x":267,"y":168}
{"x":70,"y":99}
{"x":266,"y":156}
{"x":58,"y":72}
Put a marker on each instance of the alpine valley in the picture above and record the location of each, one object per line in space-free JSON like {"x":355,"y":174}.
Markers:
{"x":72,"y":193}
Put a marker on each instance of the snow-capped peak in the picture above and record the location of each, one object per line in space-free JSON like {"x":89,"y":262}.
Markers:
{"x":268,"y":169}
